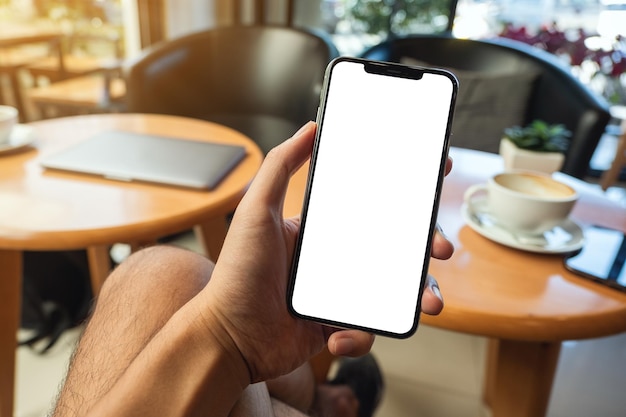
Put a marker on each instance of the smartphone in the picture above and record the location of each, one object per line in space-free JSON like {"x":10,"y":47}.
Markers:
{"x":601,"y":258}
{"x":372,"y":195}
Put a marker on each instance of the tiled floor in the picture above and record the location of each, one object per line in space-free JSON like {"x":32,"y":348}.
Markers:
{"x":39,"y":376}
{"x":436,"y":373}
{"x":439,"y":374}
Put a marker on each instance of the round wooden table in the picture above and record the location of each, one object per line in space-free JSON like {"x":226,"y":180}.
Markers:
{"x":50,"y":210}
{"x":526,"y":303}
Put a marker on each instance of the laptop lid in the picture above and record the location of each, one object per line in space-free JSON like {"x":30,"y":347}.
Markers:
{"x":131,"y":156}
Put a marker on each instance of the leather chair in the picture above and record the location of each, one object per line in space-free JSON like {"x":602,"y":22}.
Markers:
{"x":520,"y":82}
{"x":263,"y":81}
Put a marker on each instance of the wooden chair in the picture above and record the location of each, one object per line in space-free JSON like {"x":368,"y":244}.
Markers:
{"x":16,"y":53}
{"x":74,"y":61}
{"x":79,"y":83}
{"x":102,"y":92}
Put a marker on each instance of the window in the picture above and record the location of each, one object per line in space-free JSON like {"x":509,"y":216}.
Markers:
{"x":357,"y":24}
{"x":482,"y":18}
{"x":93,"y":19}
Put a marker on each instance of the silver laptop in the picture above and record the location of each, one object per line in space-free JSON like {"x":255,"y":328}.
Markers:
{"x":130,"y":156}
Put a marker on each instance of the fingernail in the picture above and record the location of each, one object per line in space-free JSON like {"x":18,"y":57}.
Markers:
{"x":435,"y":289}
{"x":344,"y":346}
{"x":441,"y":232}
{"x":301,"y":130}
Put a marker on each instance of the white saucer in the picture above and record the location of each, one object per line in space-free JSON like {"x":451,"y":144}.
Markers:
{"x":564,"y":238}
{"x":21,"y":136}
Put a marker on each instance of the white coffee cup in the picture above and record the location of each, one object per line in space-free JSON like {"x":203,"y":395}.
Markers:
{"x":8,"y":119}
{"x":526,"y":202}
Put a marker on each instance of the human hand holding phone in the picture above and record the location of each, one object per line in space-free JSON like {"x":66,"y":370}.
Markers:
{"x":248,"y":289}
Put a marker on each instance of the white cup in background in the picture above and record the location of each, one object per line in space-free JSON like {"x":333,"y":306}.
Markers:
{"x":524,"y":202}
{"x":8,"y":119}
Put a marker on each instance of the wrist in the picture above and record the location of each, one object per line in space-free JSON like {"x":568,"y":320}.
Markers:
{"x":210,"y":328}
{"x":191,"y":368}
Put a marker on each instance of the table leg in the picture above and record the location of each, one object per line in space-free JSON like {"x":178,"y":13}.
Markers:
{"x":519,"y":377}
{"x":2,"y":98}
{"x":211,"y":235}
{"x":16,"y":88}
{"x":99,"y":266}
{"x":11,"y":290}
{"x":135,"y":246}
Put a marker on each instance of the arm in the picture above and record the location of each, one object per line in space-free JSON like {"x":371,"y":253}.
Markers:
{"x":237,"y":329}
{"x":207,"y":353}
{"x":184,"y":370}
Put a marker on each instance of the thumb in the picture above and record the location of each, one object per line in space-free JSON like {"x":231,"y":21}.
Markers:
{"x":270,"y":184}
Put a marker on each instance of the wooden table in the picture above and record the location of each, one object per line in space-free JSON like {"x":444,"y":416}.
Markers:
{"x":47,"y":210}
{"x":526,"y":303}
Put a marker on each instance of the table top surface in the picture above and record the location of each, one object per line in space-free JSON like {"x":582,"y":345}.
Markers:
{"x":48,"y":210}
{"x":497,"y":291}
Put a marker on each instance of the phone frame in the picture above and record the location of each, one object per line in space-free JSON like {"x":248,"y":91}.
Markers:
{"x":397,"y":70}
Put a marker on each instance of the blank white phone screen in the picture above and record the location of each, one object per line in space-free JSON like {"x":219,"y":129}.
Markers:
{"x":367,"y":225}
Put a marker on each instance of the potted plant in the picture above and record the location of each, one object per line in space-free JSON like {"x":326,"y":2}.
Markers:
{"x":538,"y":146}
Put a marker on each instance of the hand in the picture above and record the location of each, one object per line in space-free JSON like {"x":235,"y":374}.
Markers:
{"x":246,"y":296}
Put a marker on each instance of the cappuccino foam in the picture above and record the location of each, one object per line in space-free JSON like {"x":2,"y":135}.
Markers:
{"x":535,"y":185}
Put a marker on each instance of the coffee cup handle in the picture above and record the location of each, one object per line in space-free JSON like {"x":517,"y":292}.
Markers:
{"x":473,"y":190}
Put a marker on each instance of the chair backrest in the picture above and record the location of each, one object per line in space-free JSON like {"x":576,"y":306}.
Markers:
{"x":261,"y":80}
{"x":519,"y":78}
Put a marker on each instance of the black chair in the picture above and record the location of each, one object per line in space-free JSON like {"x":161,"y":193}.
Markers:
{"x":263,"y":81}
{"x":505,"y":83}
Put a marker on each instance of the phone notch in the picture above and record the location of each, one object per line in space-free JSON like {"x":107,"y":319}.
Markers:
{"x":391,"y":70}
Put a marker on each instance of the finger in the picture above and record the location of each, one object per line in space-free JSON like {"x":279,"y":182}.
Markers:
{"x":350,"y":343}
{"x":270,"y":184}
{"x":448,"y":165}
{"x":442,"y":248}
{"x":432,"y":300}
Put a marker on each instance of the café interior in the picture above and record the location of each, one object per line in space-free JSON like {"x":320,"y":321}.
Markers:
{"x":520,"y":334}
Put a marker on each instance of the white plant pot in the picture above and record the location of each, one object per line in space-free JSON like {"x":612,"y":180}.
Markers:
{"x":516,"y":158}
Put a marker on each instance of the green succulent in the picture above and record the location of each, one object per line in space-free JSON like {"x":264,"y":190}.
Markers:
{"x":540,"y":136}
